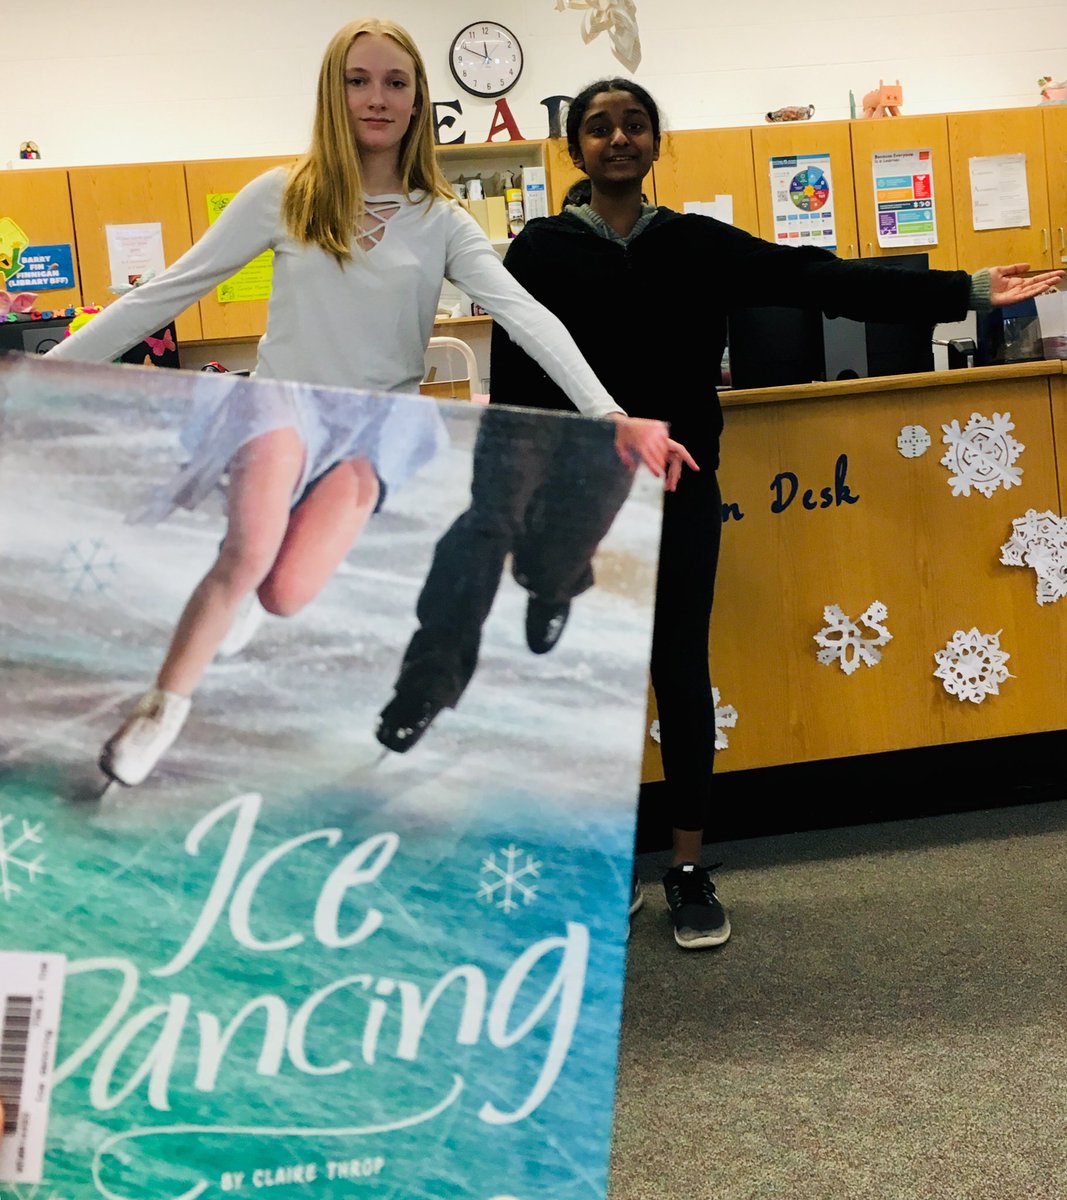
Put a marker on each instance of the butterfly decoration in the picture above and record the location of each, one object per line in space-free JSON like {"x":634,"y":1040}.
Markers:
{"x":16,"y":302}
{"x":618,"y":18}
{"x":160,"y":344}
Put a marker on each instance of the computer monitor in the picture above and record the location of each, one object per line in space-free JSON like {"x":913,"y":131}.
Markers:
{"x":862,"y":349}
{"x":773,"y":347}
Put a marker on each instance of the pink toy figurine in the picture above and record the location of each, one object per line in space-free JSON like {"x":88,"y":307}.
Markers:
{"x":884,"y":101}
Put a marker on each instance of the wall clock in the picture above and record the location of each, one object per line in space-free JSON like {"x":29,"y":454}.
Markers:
{"x":486,"y":58}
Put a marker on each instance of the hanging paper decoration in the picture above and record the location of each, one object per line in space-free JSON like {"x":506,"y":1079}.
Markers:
{"x":618,"y":18}
{"x":848,"y":642}
{"x":982,"y":454}
{"x":1039,"y":540}
{"x":972,"y":665}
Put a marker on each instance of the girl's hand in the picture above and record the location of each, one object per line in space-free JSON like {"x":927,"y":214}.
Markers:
{"x":677,"y":457}
{"x":1011,"y":284}
{"x":639,"y":440}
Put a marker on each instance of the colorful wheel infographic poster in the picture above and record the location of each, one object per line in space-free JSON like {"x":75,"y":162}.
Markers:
{"x":291,"y":962}
{"x":802,"y":199}
{"x":904,"y":198}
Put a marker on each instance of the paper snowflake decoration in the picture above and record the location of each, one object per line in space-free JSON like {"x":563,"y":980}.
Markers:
{"x":849,"y":643}
{"x":505,"y":883}
{"x":725,"y":718}
{"x":972,"y":665}
{"x":982,"y":454}
{"x":1039,"y":540}
{"x":913,"y":441}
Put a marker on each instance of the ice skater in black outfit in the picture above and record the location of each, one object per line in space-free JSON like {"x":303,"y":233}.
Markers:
{"x":646,"y":292}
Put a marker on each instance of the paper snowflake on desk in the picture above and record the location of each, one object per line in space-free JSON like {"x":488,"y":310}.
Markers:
{"x":725,"y":718}
{"x":848,"y":642}
{"x":1039,"y":540}
{"x":972,"y":665}
{"x":982,"y":454}
{"x":913,"y":441}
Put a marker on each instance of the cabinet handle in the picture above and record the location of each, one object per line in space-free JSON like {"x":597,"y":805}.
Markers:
{"x":1063,"y":244}
{"x":850,"y":249}
{"x":868,"y":249}
{"x":1044,"y":241}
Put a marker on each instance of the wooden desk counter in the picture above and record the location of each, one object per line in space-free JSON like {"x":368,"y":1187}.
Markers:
{"x":821,"y":508}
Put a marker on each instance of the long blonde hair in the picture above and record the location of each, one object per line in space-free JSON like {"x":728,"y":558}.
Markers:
{"x":323,"y":198}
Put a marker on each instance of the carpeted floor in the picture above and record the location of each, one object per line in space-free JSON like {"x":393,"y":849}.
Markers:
{"x":888,"y":1021}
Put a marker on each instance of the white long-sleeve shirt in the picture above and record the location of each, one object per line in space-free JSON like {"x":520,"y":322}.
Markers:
{"x":364,"y":324}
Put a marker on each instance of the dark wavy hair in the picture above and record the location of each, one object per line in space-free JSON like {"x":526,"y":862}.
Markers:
{"x":579,"y":106}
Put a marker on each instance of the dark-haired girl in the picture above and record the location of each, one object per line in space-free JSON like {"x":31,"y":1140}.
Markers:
{"x":645,"y":292}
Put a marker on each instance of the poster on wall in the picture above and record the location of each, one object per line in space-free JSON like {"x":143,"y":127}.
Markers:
{"x":1000,"y":198}
{"x":904,"y":198}
{"x":291,"y":959}
{"x":134,"y":251}
{"x":253,"y":281}
{"x":802,"y":200}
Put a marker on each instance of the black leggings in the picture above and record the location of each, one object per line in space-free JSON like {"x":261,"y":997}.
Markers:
{"x":688,"y":560}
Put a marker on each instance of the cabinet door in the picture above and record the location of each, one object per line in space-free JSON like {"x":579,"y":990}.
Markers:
{"x":804,"y":137}
{"x":561,"y":172}
{"x":1000,"y":131}
{"x":38,"y":201}
{"x":233,"y":318}
{"x":1055,"y":122}
{"x":904,"y":133}
{"x":130,"y":195}
{"x":700,"y":164}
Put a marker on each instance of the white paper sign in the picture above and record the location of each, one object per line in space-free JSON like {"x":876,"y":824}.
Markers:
{"x":999,"y":196}
{"x":721,"y":208}
{"x":802,"y":200}
{"x":132,"y":250}
{"x":31,"y":993}
{"x":904,"y":197}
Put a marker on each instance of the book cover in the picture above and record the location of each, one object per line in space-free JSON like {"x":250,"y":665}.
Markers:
{"x":296,"y":963}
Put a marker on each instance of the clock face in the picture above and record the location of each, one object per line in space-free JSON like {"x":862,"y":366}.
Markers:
{"x":486,"y":58}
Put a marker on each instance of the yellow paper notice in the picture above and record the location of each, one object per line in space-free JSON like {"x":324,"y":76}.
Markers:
{"x":252,"y":282}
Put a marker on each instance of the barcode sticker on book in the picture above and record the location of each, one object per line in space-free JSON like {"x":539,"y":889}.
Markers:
{"x":31,"y":994}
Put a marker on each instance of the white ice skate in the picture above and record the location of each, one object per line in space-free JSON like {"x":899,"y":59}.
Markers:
{"x":246,"y":622}
{"x":144,"y":737}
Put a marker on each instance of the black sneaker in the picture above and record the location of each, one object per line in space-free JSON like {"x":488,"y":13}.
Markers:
{"x":699,"y":919}
{"x":404,"y":720}
{"x":544,"y":623}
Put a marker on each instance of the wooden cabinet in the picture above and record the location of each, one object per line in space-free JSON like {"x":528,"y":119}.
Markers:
{"x":904,"y":133}
{"x":38,"y":201}
{"x":820,"y":137}
{"x":236,"y":318}
{"x":130,"y":195}
{"x":1001,"y":131}
{"x":1054,"y":118}
{"x":700,"y":164}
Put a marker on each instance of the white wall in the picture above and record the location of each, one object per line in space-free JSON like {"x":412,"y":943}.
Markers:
{"x":95,"y":81}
